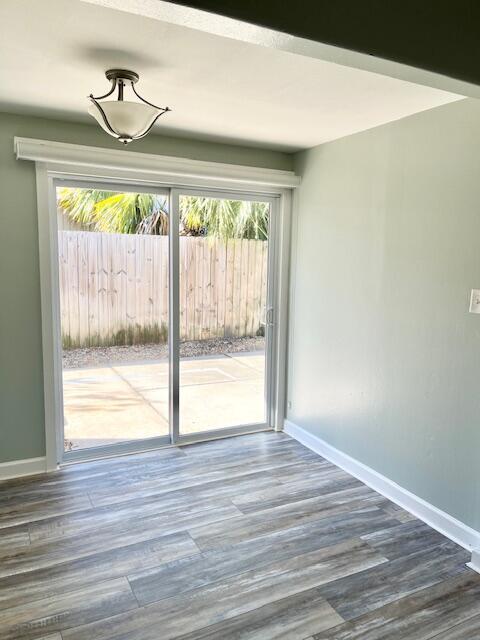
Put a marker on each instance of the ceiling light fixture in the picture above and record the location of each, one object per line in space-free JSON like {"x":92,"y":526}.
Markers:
{"x":123,"y":119}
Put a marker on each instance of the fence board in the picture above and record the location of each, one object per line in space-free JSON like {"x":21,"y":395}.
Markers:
{"x":229,"y":288}
{"x":102,"y":257}
{"x":237,"y":280}
{"x":72,"y":292}
{"x":259,"y":300}
{"x":252,"y":257}
{"x":114,"y":288}
{"x":220,"y":265}
{"x":82,"y":258}
{"x":198,"y":298}
{"x":212,"y":291}
{"x":183,"y":291}
{"x":188,"y":246}
{"x":243,"y":288}
{"x":131,"y":302}
{"x":92,"y":294}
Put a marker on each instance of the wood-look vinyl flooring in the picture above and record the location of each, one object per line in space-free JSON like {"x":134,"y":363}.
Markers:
{"x":253,"y":537}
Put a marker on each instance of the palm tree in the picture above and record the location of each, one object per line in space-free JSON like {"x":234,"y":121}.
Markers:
{"x":118,"y":212}
{"x":224,"y":218}
{"x":115,"y":212}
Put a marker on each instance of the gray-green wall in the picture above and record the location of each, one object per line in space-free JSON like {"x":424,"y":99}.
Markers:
{"x":21,"y":378}
{"x":385,"y":362}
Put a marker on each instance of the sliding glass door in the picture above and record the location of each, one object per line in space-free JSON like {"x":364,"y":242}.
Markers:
{"x":166,"y":314}
{"x":113,"y":266}
{"x":223,"y":257}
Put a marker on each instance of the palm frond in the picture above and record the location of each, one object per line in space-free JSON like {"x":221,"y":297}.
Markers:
{"x":223,"y":218}
{"x":119,"y":212}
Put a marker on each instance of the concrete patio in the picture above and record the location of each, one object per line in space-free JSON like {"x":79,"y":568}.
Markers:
{"x":109,"y":404}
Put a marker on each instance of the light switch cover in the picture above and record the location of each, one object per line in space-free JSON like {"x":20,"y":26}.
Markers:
{"x":475,"y":301}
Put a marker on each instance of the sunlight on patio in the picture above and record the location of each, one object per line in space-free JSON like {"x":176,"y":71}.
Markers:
{"x":119,"y":402}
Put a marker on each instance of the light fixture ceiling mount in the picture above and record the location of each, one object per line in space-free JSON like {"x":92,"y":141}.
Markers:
{"x":122,"y":119}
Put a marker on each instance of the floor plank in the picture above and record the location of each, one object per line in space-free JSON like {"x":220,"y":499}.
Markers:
{"x":64,"y":611}
{"x":352,"y":596}
{"x":57,"y":579}
{"x":283,"y":517}
{"x":468,"y":629}
{"x":216,"y":565}
{"x":14,"y":537}
{"x":12,"y":515}
{"x":289,"y":619}
{"x":163,"y":510}
{"x":321,"y":565}
{"x":421,"y":616}
{"x":45,"y":554}
{"x":327,"y":483}
{"x":408,"y":538}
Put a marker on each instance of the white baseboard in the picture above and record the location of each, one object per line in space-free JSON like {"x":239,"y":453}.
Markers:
{"x":475,"y":561}
{"x":19,"y":468}
{"x":444,"y":523}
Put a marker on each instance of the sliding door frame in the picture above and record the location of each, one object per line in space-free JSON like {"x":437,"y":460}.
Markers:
{"x":146,"y":172}
{"x":274,"y":354}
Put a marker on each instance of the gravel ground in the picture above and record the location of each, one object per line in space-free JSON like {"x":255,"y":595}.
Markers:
{"x":94,"y":356}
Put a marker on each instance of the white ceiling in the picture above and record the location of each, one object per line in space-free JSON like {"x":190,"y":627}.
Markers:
{"x":53,"y":54}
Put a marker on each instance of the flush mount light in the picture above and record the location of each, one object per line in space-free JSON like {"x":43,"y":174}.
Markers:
{"x":123,"y":119}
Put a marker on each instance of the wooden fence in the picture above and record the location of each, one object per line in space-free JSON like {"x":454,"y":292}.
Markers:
{"x":114,"y":288}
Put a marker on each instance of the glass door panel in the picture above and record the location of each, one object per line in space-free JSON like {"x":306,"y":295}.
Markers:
{"x":223,"y":300}
{"x":114,"y":306}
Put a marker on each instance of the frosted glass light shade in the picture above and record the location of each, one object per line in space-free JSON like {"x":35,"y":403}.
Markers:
{"x":129,"y":120}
